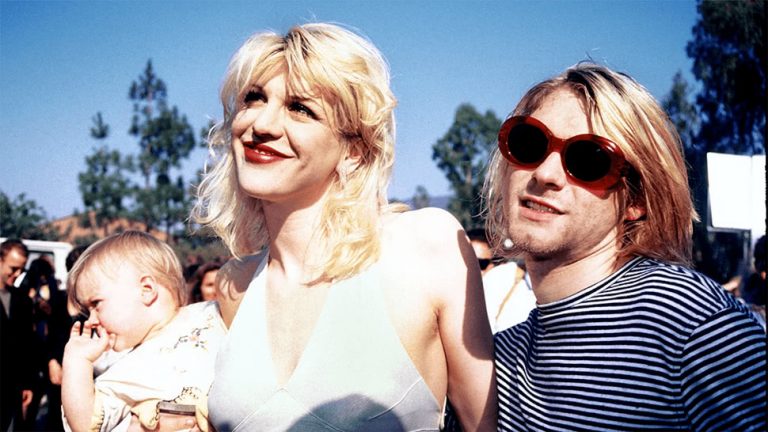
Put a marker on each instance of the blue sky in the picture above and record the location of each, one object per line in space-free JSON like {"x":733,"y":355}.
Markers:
{"x":62,"y":62}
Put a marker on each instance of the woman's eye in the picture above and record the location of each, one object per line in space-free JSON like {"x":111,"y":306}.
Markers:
{"x":253,"y":96}
{"x":300,"y":108}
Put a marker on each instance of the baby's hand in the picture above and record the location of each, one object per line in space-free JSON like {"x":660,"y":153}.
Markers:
{"x":88,"y":341}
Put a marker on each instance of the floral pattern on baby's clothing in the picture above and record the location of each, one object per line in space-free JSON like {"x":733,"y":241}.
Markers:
{"x":196,"y":337}
{"x":193,"y":338}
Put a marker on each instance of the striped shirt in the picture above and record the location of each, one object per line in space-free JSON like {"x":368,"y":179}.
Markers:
{"x":653,"y":346}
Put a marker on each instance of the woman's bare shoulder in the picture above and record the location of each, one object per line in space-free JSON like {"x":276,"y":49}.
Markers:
{"x":425,"y":246}
{"x":432,"y":218}
{"x":426,"y":227}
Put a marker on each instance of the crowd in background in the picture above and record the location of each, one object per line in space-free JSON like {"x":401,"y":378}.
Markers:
{"x":38,"y":355}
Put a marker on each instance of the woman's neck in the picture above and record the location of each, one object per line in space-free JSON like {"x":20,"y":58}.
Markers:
{"x":292,"y":236}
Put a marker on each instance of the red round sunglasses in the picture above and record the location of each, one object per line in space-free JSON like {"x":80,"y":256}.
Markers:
{"x":589,"y":160}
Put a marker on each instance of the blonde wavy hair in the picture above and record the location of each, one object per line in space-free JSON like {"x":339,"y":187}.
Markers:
{"x":141,"y":250}
{"x":352,"y":77}
{"x":620,"y":109}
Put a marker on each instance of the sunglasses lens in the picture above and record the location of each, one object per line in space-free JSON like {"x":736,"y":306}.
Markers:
{"x":587,"y":161}
{"x":527,"y":144}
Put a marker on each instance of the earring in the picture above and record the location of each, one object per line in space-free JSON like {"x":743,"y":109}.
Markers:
{"x":507,"y":244}
{"x":343,"y":172}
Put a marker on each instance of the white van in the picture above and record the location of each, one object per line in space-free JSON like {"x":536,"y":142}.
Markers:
{"x":57,"y":251}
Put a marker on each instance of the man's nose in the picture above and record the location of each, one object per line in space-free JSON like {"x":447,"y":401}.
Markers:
{"x":551,"y":171}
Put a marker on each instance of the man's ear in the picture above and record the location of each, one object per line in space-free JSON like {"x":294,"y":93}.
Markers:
{"x":149,"y":289}
{"x":634,"y":212}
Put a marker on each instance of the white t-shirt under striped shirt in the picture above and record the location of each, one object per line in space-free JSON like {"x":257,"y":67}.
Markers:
{"x":653,"y":346}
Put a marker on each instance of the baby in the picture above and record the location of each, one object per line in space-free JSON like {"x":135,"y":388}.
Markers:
{"x":132,"y":285}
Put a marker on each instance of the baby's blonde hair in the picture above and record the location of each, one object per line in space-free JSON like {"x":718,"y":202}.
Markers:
{"x":137,"y":248}
{"x":349,"y":73}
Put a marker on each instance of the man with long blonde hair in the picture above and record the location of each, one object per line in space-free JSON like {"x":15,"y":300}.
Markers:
{"x":590,"y":185}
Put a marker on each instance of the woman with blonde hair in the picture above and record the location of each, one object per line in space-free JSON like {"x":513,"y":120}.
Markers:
{"x":345,"y":312}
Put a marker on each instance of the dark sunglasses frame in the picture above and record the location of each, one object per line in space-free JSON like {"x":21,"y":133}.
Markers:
{"x":618,"y":168}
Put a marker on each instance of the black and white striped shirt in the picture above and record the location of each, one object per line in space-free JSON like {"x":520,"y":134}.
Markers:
{"x":653,"y":346}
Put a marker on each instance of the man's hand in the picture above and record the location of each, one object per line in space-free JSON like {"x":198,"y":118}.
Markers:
{"x":26,"y":400}
{"x":54,"y":371}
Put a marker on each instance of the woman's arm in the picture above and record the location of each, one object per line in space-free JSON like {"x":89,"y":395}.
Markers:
{"x":465,"y":332}
{"x":444,"y":266}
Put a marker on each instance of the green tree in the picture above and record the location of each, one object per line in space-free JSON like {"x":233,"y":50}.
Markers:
{"x":205,"y":132}
{"x":463,"y":154}
{"x":196,"y":240}
{"x":729,"y":58}
{"x":681,"y":111}
{"x":685,"y":117}
{"x":707,"y":254}
{"x":165,"y":139}
{"x":105,"y":184}
{"x":23,"y":218}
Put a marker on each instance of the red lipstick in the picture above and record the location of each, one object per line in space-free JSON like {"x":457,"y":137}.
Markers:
{"x":262,"y":154}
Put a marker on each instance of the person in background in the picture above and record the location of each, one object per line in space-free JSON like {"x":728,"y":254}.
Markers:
{"x":49,"y":303}
{"x":191,"y":264}
{"x":16,"y":338}
{"x":589,"y":183}
{"x":754,"y":289}
{"x":508,"y":295}
{"x":483,"y":252}
{"x":204,"y":282}
{"x":59,"y":326}
{"x":360,"y":315}
{"x":133,"y":288}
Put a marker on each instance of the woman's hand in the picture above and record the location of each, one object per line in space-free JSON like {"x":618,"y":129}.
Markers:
{"x":167,"y":423}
